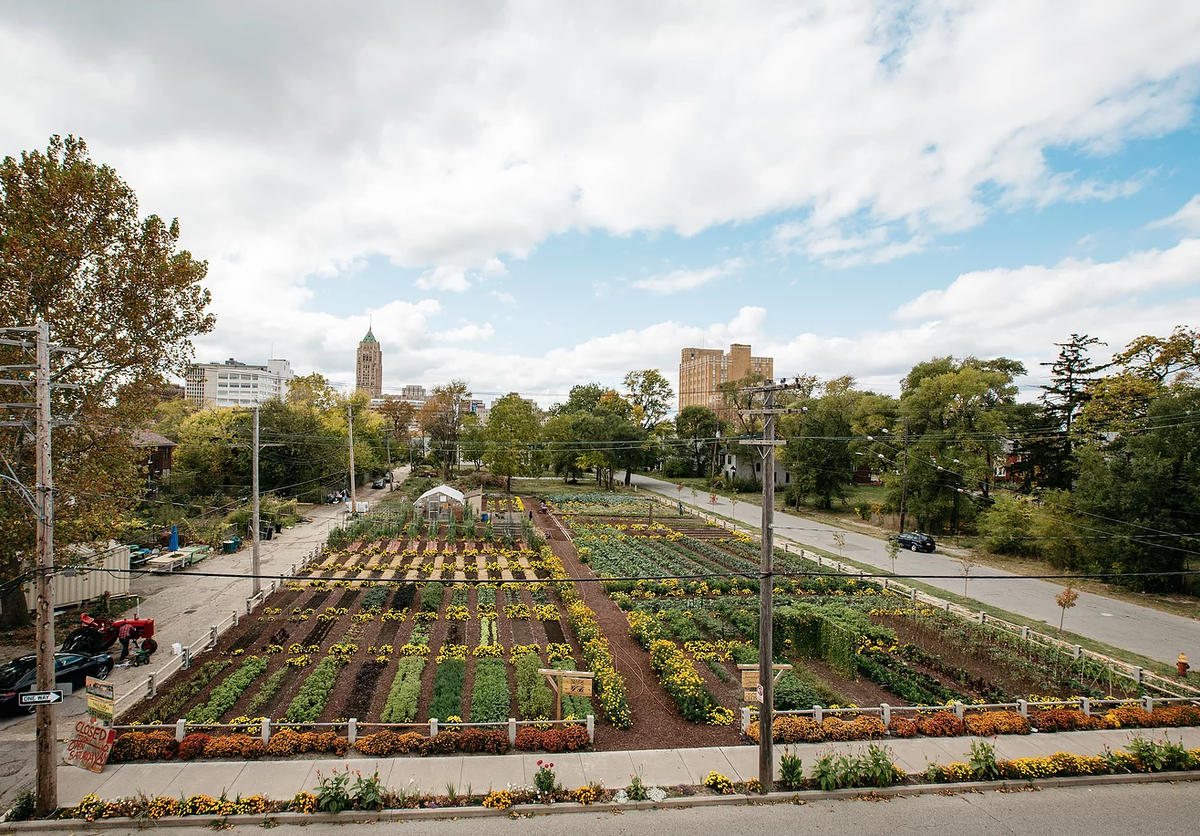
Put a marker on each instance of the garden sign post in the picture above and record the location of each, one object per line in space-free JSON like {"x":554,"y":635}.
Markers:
{"x":573,"y":683}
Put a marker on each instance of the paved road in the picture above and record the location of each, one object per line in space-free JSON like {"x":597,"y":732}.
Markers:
{"x":184,"y":606}
{"x":1151,"y":633}
{"x":1161,"y":809}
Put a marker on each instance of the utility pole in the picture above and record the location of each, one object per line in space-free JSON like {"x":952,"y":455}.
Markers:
{"x":387,"y":439}
{"x":350,"y":424}
{"x":255,"y":533}
{"x":47,"y":738}
{"x":41,"y":501}
{"x":766,"y":582}
{"x":904,"y":479}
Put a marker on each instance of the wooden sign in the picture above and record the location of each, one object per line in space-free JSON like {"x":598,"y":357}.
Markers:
{"x":574,"y":686}
{"x":750,"y":696}
{"x":100,"y":699}
{"x":90,"y":747}
{"x":749,"y":679}
{"x":571,"y":683}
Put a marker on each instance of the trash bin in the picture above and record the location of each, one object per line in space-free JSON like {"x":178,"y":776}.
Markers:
{"x":228,"y":547}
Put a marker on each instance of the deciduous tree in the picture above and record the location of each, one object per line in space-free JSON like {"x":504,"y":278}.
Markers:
{"x":76,"y":252}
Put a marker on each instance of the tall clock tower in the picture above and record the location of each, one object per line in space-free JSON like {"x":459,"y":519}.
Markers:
{"x":369,"y":376}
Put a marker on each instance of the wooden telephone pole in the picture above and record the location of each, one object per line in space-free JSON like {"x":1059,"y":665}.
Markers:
{"x":766,"y":616}
{"x":41,"y":499}
{"x":256,"y":585}
{"x":350,"y":425}
{"x":47,"y":738}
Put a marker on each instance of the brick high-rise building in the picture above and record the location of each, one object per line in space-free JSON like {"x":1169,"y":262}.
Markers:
{"x":369,"y":373}
{"x":703,"y":370}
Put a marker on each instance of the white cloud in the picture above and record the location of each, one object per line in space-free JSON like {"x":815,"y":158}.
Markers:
{"x":504,"y":298}
{"x":444,"y":277}
{"x":469,"y":333}
{"x":294,"y":144}
{"x":680,"y":280}
{"x":1002,"y":298}
{"x":1186,"y":219}
{"x":1016,"y":313}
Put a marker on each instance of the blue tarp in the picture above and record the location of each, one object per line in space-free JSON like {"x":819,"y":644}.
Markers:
{"x":174,"y":546}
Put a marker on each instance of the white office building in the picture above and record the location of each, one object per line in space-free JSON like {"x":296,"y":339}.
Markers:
{"x":238,"y":384}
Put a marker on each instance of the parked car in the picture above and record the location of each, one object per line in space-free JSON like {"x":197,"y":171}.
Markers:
{"x":915,"y":541}
{"x":20,"y":675}
{"x":378,"y":483}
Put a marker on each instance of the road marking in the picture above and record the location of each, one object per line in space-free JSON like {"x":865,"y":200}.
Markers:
{"x":1107,"y":614}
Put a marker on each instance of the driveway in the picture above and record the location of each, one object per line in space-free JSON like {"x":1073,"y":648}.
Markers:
{"x":1157,"y":635}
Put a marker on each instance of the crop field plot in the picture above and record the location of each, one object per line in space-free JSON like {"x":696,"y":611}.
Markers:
{"x":406,"y":621}
{"x":392,"y":630}
{"x":691,"y":602}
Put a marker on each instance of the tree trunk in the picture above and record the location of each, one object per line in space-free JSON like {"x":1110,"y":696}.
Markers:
{"x":628,"y":477}
{"x":508,"y":484}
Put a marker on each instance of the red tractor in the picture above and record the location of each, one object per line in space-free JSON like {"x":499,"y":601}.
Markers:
{"x":99,"y":634}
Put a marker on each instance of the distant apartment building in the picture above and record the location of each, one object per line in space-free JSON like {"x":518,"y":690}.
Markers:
{"x":703,"y":370}
{"x":413,"y":393}
{"x":238,"y":384}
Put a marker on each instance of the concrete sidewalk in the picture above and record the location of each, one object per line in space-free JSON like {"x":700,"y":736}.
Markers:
{"x":1157,"y":635}
{"x":479,"y":773}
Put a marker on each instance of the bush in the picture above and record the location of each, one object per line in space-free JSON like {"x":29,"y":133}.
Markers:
{"x":903,"y":727}
{"x":143,"y":746}
{"x":529,"y":738}
{"x":192,"y":746}
{"x":567,"y":738}
{"x":992,"y":723}
{"x":1067,"y":719}
{"x":940,"y":724}
{"x":238,"y":746}
{"x":381,"y":744}
{"x":793,"y":695}
{"x":444,"y":743}
{"x":287,"y":742}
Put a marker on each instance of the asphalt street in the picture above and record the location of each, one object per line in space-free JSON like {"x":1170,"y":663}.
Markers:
{"x":1160,"y":636}
{"x":1117,"y":810}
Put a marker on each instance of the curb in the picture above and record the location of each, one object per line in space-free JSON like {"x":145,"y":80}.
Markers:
{"x":567,"y":807}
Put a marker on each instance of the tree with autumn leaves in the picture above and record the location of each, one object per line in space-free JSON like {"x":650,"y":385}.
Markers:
{"x":76,"y":251}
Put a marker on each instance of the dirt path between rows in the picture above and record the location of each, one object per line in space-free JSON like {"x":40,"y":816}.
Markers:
{"x":657,"y":723}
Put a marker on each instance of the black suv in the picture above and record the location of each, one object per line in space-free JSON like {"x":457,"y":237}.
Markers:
{"x":915,"y":541}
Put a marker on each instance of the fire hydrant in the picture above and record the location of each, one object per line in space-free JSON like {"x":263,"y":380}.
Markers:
{"x":1181,"y":665}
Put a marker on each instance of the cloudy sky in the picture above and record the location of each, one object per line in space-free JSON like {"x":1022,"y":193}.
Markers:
{"x":529,"y":195}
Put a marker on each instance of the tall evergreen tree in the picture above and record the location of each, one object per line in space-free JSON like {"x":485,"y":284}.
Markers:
{"x":1062,"y":399}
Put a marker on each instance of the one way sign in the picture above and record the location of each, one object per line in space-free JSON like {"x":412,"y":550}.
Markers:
{"x":40,"y":698}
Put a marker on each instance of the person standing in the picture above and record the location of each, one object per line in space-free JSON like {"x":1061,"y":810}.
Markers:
{"x":124,"y":635}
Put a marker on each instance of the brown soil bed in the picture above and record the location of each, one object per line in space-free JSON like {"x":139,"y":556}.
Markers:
{"x":982,"y":669}
{"x":657,"y":723}
{"x":859,"y":691}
